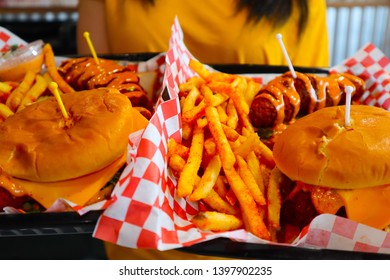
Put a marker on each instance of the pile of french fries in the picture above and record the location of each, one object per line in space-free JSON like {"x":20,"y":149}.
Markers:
{"x":14,"y":96}
{"x":221,"y":161}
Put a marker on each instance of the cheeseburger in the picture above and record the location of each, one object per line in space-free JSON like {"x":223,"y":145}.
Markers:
{"x":44,"y":156}
{"x":335,"y":168}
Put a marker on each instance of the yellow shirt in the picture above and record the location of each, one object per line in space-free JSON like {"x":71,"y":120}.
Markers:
{"x":215,"y":34}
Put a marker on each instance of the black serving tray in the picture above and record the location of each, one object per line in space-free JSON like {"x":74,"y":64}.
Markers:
{"x":65,"y":235}
{"x":69,"y":236}
{"x":224,"y":247}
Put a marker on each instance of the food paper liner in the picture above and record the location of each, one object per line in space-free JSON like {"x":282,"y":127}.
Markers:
{"x":145,"y":213}
{"x":9,"y":39}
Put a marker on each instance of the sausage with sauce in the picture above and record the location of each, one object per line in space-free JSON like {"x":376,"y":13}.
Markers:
{"x":285,"y":98}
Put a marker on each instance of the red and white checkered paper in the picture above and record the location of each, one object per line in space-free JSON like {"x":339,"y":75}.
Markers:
{"x":370,"y":64}
{"x":9,"y":39}
{"x":145,"y":213}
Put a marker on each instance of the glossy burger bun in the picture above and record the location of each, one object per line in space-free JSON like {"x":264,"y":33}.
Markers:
{"x":36,"y":145}
{"x":319,"y":149}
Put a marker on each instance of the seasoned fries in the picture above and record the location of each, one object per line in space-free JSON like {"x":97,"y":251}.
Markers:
{"x":274,"y":201}
{"x":227,"y":156}
{"x":52,"y":69}
{"x":186,"y":181}
{"x":250,"y":181}
{"x":228,"y":166}
{"x":18,"y":94}
{"x":4,"y":87}
{"x":34,"y":92}
{"x":5,"y":112}
{"x":14,"y":96}
{"x":208,"y":179}
{"x":216,"y":221}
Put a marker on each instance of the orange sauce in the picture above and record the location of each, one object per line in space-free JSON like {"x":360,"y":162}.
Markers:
{"x":275,"y":96}
{"x":310,"y":90}
{"x":16,"y":73}
{"x":286,"y":85}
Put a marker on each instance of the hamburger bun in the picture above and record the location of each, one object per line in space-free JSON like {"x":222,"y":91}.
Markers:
{"x":320,"y":150}
{"x":37,"y":145}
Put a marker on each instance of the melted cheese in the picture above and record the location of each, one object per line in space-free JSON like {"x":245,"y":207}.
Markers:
{"x":78,"y":190}
{"x":370,"y":206}
{"x":140,"y":122}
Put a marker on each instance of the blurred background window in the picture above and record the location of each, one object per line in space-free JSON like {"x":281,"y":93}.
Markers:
{"x":53,"y":21}
{"x":351,"y":24}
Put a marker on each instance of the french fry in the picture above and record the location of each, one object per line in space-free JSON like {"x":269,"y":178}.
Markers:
{"x":17,"y":95}
{"x":251,"y":214}
{"x":194,"y":113}
{"x":208,"y":179}
{"x":52,"y":69}
{"x":202,"y":122}
{"x":6,"y":90}
{"x":176,"y":162}
{"x":274,"y":201}
{"x":234,"y":144}
{"x":5,"y":111}
{"x":177,"y":148}
{"x":231,"y":112}
{"x":253,"y":143}
{"x":34,"y":92}
{"x":251,"y":91}
{"x":199,"y":68}
{"x":245,"y":132}
{"x":223,"y":117}
{"x":238,"y":95}
{"x":209,"y":146}
{"x":215,"y":201}
{"x":246,"y":146}
{"x":231,"y":134}
{"x":231,"y":197}
{"x":220,"y":77}
{"x":186,"y":130}
{"x":225,"y":151}
{"x":220,"y":186}
{"x":255,"y":168}
{"x":249,"y":180}
{"x":247,"y":123}
{"x":241,"y":103}
{"x":211,"y":98}
{"x":221,"y":87}
{"x":216,"y":221}
{"x":190,"y":100}
{"x":266,"y":174}
{"x":193,"y":82}
{"x":186,"y":181}
{"x":4,"y":87}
